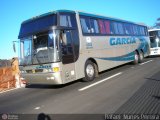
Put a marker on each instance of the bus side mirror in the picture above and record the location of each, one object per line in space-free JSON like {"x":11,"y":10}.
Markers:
{"x":14,"y":47}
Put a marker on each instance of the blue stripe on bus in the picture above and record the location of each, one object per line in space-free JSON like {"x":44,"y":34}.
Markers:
{"x":129,"y":56}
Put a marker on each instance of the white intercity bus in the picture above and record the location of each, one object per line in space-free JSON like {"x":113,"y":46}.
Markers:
{"x":154,"y":35}
{"x":62,"y":46}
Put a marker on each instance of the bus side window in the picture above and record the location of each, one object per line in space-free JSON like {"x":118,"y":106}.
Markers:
{"x":94,"y":26}
{"x":111,"y":28}
{"x":65,"y":21}
{"x":67,"y":47}
{"x":85,"y":25}
{"x":101,"y":26}
{"x":66,"y":42}
{"x":107,"y":26}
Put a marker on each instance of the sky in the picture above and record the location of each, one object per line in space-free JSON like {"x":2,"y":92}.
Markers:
{"x":14,"y":12}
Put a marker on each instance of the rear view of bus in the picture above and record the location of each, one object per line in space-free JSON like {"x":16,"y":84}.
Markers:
{"x":155,"y":41}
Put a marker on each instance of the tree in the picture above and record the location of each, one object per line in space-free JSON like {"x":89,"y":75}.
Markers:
{"x":157,"y":24}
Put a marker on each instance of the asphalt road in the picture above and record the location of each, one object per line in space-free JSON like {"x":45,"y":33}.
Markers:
{"x":128,"y":89}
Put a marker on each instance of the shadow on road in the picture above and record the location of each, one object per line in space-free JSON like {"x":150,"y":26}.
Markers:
{"x":145,"y":100}
{"x":153,"y":79}
{"x":43,"y":116}
{"x":157,"y":97}
{"x":41,"y":86}
{"x":155,"y":56}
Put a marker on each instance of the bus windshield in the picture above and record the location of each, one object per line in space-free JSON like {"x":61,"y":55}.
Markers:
{"x":40,"y":48}
{"x":36,"y":25}
{"x":154,"y":38}
{"x":153,"y":43}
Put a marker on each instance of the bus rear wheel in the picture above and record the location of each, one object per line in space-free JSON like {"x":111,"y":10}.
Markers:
{"x":136,"y":58}
{"x":140,"y":57}
{"x":90,"y":71}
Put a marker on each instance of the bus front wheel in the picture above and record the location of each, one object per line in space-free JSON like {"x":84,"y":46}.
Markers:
{"x":90,"y":71}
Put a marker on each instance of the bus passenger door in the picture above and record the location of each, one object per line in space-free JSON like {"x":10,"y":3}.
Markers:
{"x":68,"y":56}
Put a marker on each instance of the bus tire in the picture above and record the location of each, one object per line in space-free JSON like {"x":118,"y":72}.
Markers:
{"x":136,"y":58}
{"x":140,"y":57}
{"x":89,"y":71}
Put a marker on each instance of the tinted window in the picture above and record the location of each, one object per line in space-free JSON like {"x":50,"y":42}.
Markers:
{"x":36,"y":25}
{"x":101,"y":26}
{"x":94,"y":26}
{"x":142,"y":30}
{"x":146,"y":31}
{"x":65,"y":20}
{"x":135,"y":30}
{"x":128,"y":28}
{"x":131,"y":29}
{"x":50,"y":40}
{"x":67,"y":47}
{"x":69,"y":42}
{"x":139,"y":30}
{"x":115,"y":25}
{"x":107,"y":26}
{"x":120,"y":28}
{"x":152,"y":34}
{"x":85,"y":25}
{"x":66,"y":43}
{"x":112,"y":28}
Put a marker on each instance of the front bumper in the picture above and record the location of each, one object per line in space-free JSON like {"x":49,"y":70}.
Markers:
{"x":43,"y":78}
{"x":154,"y":51}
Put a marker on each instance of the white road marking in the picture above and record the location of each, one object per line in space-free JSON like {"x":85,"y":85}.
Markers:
{"x":146,"y":62}
{"x":37,"y":108}
{"x":8,"y":90}
{"x":96,"y":83}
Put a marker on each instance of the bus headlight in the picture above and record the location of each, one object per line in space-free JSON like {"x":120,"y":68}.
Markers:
{"x":22,"y":71}
{"x":55,"y":69}
{"x":47,"y":70}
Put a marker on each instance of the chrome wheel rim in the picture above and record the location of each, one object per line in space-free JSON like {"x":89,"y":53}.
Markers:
{"x":136,"y":57}
{"x":141,"y":56}
{"x":90,"y":70}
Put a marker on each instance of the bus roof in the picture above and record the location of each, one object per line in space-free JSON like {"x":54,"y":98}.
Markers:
{"x":81,"y":13}
{"x":155,"y":29}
